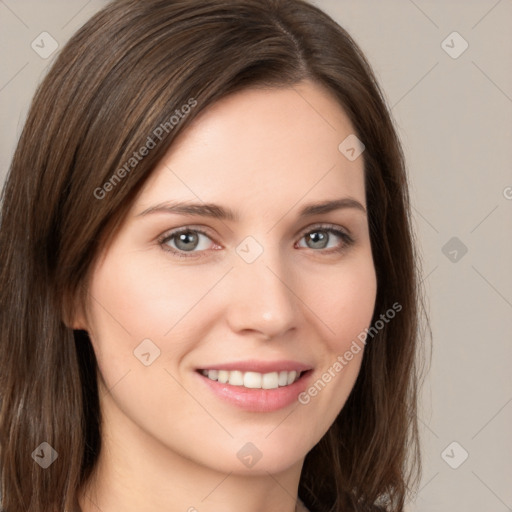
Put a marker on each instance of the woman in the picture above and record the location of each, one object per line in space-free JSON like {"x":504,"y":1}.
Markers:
{"x":271,"y":364}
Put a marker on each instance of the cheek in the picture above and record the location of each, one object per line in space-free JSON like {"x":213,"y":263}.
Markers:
{"x":344,"y":301}
{"x":134,"y":299}
{"x":355,"y":306}
{"x":346,"y":309}
{"x":137,"y":298}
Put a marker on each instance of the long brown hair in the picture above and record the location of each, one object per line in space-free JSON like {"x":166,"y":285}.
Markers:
{"x":120,"y":77}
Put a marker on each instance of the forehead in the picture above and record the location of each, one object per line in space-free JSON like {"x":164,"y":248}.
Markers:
{"x":271,"y":145}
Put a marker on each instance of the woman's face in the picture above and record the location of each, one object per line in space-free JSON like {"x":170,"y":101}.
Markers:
{"x":181,"y":298}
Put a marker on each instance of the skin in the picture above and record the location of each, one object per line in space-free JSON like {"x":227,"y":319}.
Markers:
{"x":169,"y":443}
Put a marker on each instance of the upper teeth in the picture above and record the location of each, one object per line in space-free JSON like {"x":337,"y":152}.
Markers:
{"x":253,"y":379}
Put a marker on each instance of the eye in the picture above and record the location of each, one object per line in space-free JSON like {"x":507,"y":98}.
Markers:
{"x":321,"y":237}
{"x":185,"y":240}
{"x":190,"y":242}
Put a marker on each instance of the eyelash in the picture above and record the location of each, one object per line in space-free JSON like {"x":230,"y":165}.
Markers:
{"x":347,"y":240}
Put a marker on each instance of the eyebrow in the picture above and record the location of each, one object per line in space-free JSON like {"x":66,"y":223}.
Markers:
{"x":219,"y":212}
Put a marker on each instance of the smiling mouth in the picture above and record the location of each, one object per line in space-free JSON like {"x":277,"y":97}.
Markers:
{"x":254,"y":380}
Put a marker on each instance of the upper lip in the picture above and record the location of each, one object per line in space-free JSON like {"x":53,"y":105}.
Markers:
{"x":259,"y":366}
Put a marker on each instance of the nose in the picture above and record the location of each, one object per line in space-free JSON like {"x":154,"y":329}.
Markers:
{"x":261,"y":297}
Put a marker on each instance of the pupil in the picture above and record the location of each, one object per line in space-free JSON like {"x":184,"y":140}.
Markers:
{"x":186,"y":238}
{"x":318,"y":238}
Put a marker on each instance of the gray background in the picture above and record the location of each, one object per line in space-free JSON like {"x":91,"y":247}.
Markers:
{"x":454,"y":116}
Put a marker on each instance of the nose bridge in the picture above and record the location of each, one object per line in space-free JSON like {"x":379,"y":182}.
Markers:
{"x":262,"y":297}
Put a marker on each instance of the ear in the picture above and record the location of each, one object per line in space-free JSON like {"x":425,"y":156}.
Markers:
{"x":73,"y":314}
{"x":77,"y":324}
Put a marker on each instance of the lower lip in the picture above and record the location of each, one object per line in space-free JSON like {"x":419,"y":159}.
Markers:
{"x":258,"y":400}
